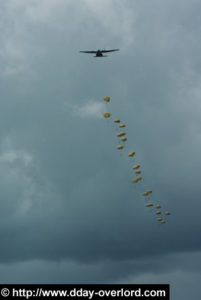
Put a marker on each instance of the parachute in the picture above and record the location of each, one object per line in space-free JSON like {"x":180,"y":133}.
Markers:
{"x":162,"y":221}
{"x":132,"y":153}
{"x":149,"y":191}
{"x":106,"y":115}
{"x":136,"y":167}
{"x":136,"y":179}
{"x":149,"y":204}
{"x":119,"y":147}
{"x":145,"y":194}
{"x":107,"y":99}
{"x":119,"y":134}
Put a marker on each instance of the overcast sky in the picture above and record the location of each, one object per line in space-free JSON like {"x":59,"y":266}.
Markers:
{"x":69,"y":212}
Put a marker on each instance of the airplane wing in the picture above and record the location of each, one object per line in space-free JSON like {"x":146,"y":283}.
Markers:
{"x":88,"y":51}
{"x":104,"y":51}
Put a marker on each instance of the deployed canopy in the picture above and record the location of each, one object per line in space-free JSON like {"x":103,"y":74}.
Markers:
{"x":119,"y":134}
{"x":123,"y":139}
{"x":106,"y":115}
{"x":136,"y":167}
{"x":145,"y":194}
{"x":107,"y":99}
{"x":149,"y":191}
{"x":136,"y":179}
{"x":120,"y":147}
{"x":132,"y":153}
{"x":149,"y":204}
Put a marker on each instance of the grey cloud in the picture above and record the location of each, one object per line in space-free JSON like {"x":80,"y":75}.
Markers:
{"x":73,"y":201}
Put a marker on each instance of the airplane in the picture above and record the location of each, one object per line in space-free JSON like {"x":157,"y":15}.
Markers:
{"x":99,"y":53}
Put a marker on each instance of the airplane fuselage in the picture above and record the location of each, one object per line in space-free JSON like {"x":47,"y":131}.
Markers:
{"x":99,"y":53}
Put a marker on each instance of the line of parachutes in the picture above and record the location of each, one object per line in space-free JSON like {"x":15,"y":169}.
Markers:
{"x":136,"y":168}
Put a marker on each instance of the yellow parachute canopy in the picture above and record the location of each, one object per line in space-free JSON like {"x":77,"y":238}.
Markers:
{"x":119,"y":134}
{"x":167,"y":213}
{"x":158,"y":212}
{"x":149,"y":204}
{"x":120,"y":147}
{"x":136,"y":167}
{"x":122,"y":125}
{"x":107,"y":99}
{"x":132,"y":153}
{"x":106,"y":115}
{"x":163,"y":221}
{"x":145,"y":194}
{"x":138,"y":172}
{"x":149,"y":191}
{"x":123,"y":139}
{"x":136,"y":179}
{"x":117,"y":121}
{"x":158,"y":206}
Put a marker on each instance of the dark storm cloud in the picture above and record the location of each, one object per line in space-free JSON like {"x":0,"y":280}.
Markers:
{"x":66,"y":194}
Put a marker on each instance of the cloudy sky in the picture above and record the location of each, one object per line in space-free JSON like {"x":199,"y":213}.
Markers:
{"x":69,"y":212}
